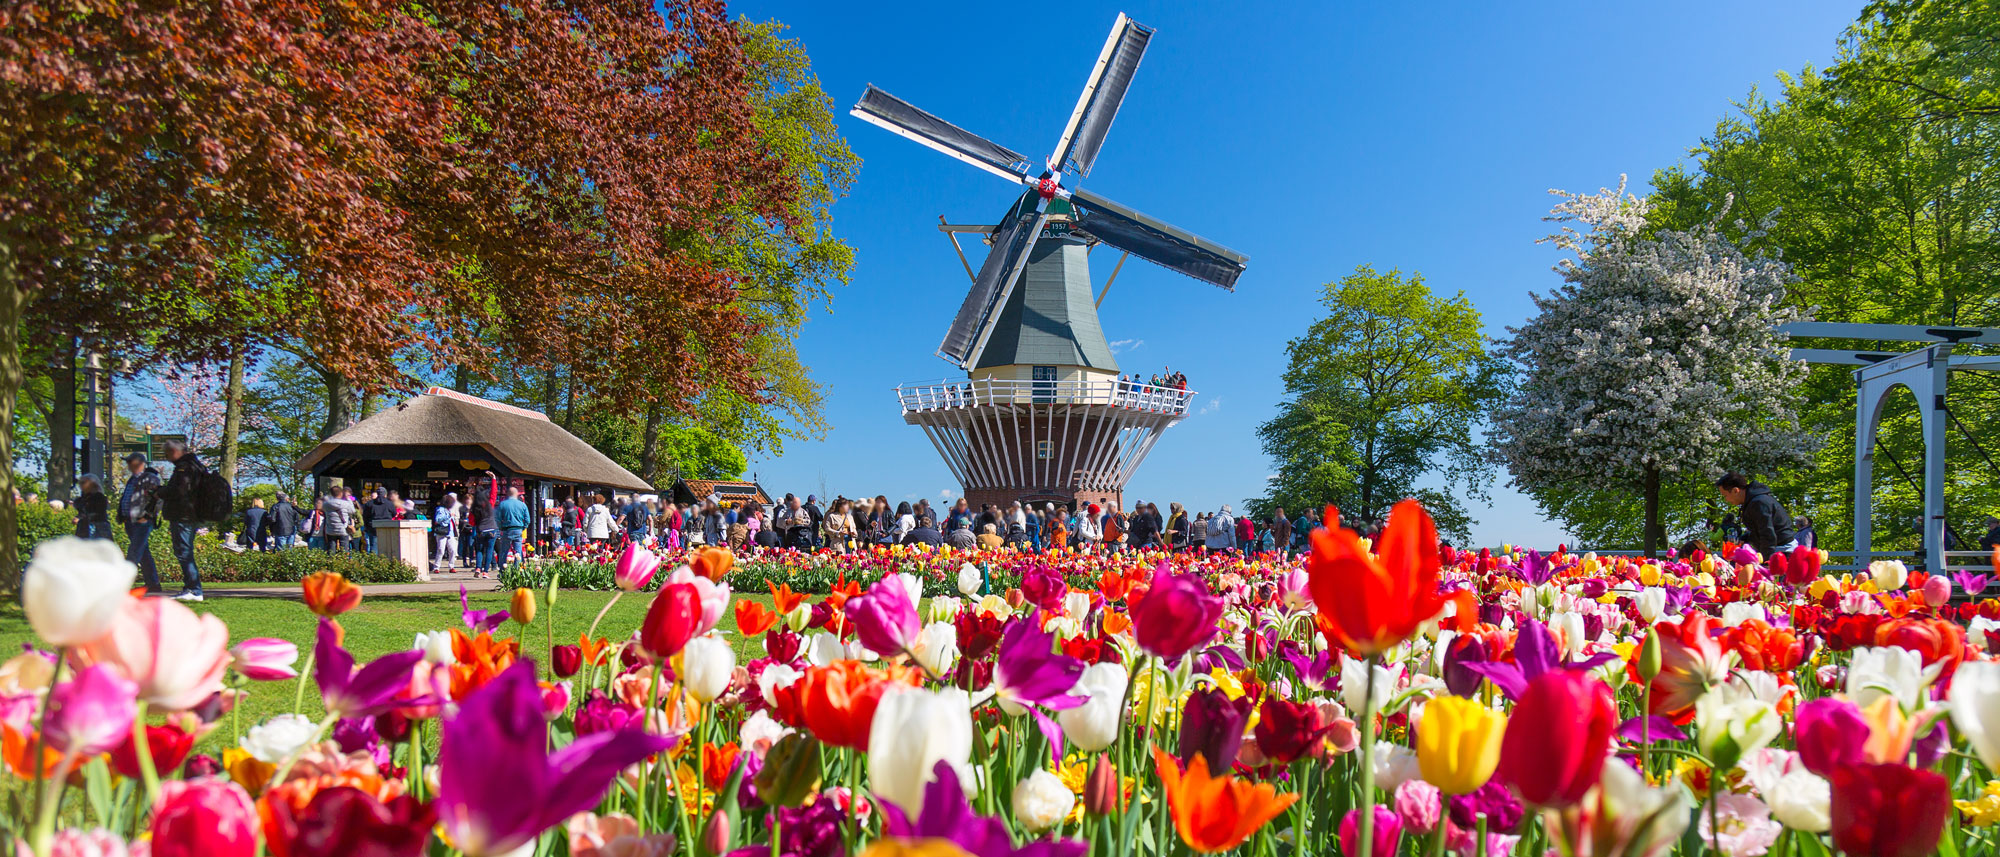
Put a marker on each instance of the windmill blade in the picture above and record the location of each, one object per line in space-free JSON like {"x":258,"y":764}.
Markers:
{"x":902,"y":117}
{"x":1157,"y":241}
{"x":997,"y":276}
{"x":1102,"y":94}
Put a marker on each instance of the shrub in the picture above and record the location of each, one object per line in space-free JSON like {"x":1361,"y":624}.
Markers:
{"x":222,"y":565}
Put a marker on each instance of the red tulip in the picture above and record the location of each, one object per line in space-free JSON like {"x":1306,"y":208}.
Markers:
{"x":209,"y":817}
{"x":672,"y":620}
{"x":1888,"y":810}
{"x":1370,"y":604}
{"x":565,"y":660}
{"x":1558,"y":738}
{"x":168,"y":744}
{"x":1286,"y":731}
{"x":344,"y":821}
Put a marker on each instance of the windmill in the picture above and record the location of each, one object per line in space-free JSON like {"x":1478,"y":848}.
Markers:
{"x":1044,"y":413}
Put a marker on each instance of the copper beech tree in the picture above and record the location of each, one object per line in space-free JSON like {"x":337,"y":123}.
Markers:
{"x":397,"y":175}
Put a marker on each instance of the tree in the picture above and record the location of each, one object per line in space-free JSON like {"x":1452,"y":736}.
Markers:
{"x":1384,"y":397}
{"x":1656,"y":363}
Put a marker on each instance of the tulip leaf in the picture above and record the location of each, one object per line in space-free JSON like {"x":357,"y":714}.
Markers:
{"x":97,"y":787}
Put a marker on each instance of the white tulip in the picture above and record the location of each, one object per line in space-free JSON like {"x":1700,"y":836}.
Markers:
{"x":1395,"y":765}
{"x":1801,"y":800}
{"x":74,"y":589}
{"x":1731,"y":723}
{"x":799,"y":618}
{"x":1076,"y":605}
{"x":1737,"y":612}
{"x":759,"y":732}
{"x":943,"y":608}
{"x":1041,"y":800}
{"x":1975,"y":708}
{"x":773,"y":677}
{"x":914,"y":729}
{"x":824,"y":648}
{"x":912,"y":587}
{"x":1976,"y":632}
{"x":1093,"y":725}
{"x":1354,"y":684}
{"x":1624,"y":792}
{"x":706,"y":665}
{"x":1568,"y":630}
{"x":1888,"y":670}
{"x":277,"y":739}
{"x":1888,"y":574}
{"x":969,"y":580}
{"x":436,"y":646}
{"x":936,"y":648}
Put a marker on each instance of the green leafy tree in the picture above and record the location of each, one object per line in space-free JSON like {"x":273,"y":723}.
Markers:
{"x":1384,"y":397}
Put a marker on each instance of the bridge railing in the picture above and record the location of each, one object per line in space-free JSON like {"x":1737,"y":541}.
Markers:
{"x":979,"y":392}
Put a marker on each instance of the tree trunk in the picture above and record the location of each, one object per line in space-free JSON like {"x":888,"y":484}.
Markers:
{"x":232,"y":415}
{"x":461,"y":378}
{"x":62,"y":422}
{"x":339,"y":403}
{"x":1654,"y":534}
{"x":649,"y":447}
{"x":12,"y":299}
{"x":569,"y":406}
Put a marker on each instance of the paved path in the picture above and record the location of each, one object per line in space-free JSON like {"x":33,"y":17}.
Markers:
{"x":441,"y":583}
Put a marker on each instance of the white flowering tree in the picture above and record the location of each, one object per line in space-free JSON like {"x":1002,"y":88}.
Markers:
{"x":1657,"y":360}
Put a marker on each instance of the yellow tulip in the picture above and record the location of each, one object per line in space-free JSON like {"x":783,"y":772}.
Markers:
{"x":1458,"y":744}
{"x":523,"y":606}
{"x":1649,"y":574}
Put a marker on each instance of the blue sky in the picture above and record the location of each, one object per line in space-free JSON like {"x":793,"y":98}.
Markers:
{"x":1396,"y":135}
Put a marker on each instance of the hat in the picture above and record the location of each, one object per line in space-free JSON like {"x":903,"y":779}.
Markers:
{"x":136,"y":456}
{"x":812,"y":498}
{"x":1093,"y":509}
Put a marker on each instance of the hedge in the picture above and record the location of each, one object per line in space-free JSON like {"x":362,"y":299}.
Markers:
{"x":39,"y":523}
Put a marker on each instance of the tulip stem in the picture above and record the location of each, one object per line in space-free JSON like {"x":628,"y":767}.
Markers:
{"x":1714,"y":808}
{"x":592,"y":633}
{"x":41,"y":728}
{"x":1301,"y":771}
{"x":1480,"y":832}
{"x":644,"y":813}
{"x":50,"y":799}
{"x":1365,"y":825}
{"x":299,"y":695}
{"x":144,"y":748}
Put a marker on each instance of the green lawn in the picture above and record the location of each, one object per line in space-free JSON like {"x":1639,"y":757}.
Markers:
{"x":387,"y":623}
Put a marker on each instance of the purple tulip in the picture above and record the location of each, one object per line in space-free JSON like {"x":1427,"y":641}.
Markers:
{"x":948,"y":815}
{"x":884,"y":619}
{"x":1971,"y":584}
{"x":91,"y":713}
{"x":1535,"y":652}
{"x":1044,"y":588}
{"x":807,"y":831}
{"x":1212,"y":725}
{"x":1495,"y":801}
{"x":1536,"y":570}
{"x":1829,"y":732}
{"x":1315,"y":671}
{"x":1177,"y":614}
{"x":1218,"y":657}
{"x":368,"y":691}
{"x":478,"y":620}
{"x":1459,"y":676}
{"x":499,"y":785}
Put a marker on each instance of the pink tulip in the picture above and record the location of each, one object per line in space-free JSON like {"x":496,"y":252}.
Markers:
{"x":714,"y":597}
{"x":177,"y":657}
{"x":92,"y":713}
{"x":265,"y":659}
{"x":81,"y":843}
{"x":207,"y":817}
{"x":1937,"y":590}
{"x":636,"y":567}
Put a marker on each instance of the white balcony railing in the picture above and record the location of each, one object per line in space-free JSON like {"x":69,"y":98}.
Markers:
{"x":978,"y":392}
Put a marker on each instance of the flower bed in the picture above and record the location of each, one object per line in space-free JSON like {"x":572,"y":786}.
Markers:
{"x":1419,"y":700}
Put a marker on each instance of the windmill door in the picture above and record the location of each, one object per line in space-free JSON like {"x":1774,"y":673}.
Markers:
{"x":1045,"y":384}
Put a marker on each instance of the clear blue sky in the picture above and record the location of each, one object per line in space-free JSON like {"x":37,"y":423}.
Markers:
{"x":1395,"y":135}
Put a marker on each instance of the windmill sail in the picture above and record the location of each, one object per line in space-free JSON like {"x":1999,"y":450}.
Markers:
{"x":1098,"y":105}
{"x":970,"y":328}
{"x":906,"y":119}
{"x":1157,"y":241}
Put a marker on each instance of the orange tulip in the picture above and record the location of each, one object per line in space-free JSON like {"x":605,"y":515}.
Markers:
{"x":522,"y":606}
{"x":842,"y":590}
{"x":1116,"y":623}
{"x":480,"y":660}
{"x":753,"y":619}
{"x":712,"y":563}
{"x":783,"y":596}
{"x":718,"y":761}
{"x":593,"y":652}
{"x":837,"y":702}
{"x":1216,"y":814}
{"x":1371,"y":604}
{"x":18,"y":749}
{"x":329,"y":593}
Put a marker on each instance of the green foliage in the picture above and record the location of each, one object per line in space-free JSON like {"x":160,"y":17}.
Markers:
{"x":222,"y":565}
{"x":1880,"y":172}
{"x":754,"y":576}
{"x":284,"y":413}
{"x":38,"y":523}
{"x":1384,"y":396}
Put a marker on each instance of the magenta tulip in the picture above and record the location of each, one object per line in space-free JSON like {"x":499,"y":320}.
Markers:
{"x":91,"y":713}
{"x":1558,"y":738}
{"x":265,"y":659}
{"x":1177,"y":614}
{"x":207,"y":817}
{"x":884,"y":619}
{"x":636,"y":567}
{"x":1829,"y":732}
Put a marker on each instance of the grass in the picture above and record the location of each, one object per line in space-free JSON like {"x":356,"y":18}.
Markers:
{"x":387,"y":623}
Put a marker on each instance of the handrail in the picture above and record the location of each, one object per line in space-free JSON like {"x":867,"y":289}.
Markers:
{"x":972,"y":393}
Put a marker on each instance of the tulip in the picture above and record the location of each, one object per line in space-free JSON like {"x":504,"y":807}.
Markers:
{"x":1093,"y":725}
{"x":1212,"y":727}
{"x":714,"y":596}
{"x":753,"y":618}
{"x":365,"y":692}
{"x":1731,"y":724}
{"x":936,"y":648}
{"x":1888,"y":574}
{"x":1801,"y":801}
{"x":76,"y":842}
{"x":712,"y":563}
{"x":1888,"y":810}
{"x":885,"y":620}
{"x":74,"y":589}
{"x":1975,"y":709}
{"x":918,"y":734}
{"x":90,"y":713}
{"x":177,"y":658}
{"x":329,"y":593}
{"x":344,"y":820}
{"x":635,"y":569}
{"x":265,"y":659}
{"x":207,"y":817}
{"x":1288,"y":731}
{"x":791,"y":771}
{"x":1216,"y":814}
{"x":706,"y":665}
{"x":1464,"y":651}
{"x":1041,"y":800}
{"x":499,"y":786}
{"x":168,"y":744}
{"x":565,"y":660}
{"x":1557,"y":739}
{"x":838,"y":702}
{"x":1028,"y":672}
{"x":947,"y":826}
{"x":1887,"y":670}
{"x":1177,"y":615}
{"x":1458,"y":744}
{"x":1830,"y":732}
{"x":1369,"y":605}
{"x":522,"y":606}
{"x":970,"y":580}
{"x":673,"y":619}
{"x":1102,"y":792}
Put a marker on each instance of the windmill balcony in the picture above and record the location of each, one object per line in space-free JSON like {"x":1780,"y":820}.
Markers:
{"x":945,"y":395}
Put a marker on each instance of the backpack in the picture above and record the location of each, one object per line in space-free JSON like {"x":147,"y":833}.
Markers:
{"x":214,"y":498}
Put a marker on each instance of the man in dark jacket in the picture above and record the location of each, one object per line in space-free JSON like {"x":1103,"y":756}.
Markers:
{"x":139,"y":511}
{"x":1281,"y":533}
{"x":255,"y":519}
{"x":1766,"y":526}
{"x":283,"y":523}
{"x":178,"y":502}
{"x":378,"y":508}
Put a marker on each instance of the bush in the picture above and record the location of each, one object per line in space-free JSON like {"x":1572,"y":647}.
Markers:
{"x":222,"y":565}
{"x":747,"y":576}
{"x":37,"y":523}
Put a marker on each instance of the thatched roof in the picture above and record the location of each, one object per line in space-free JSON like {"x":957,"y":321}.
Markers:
{"x":443,"y":424}
{"x":730,"y":490}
